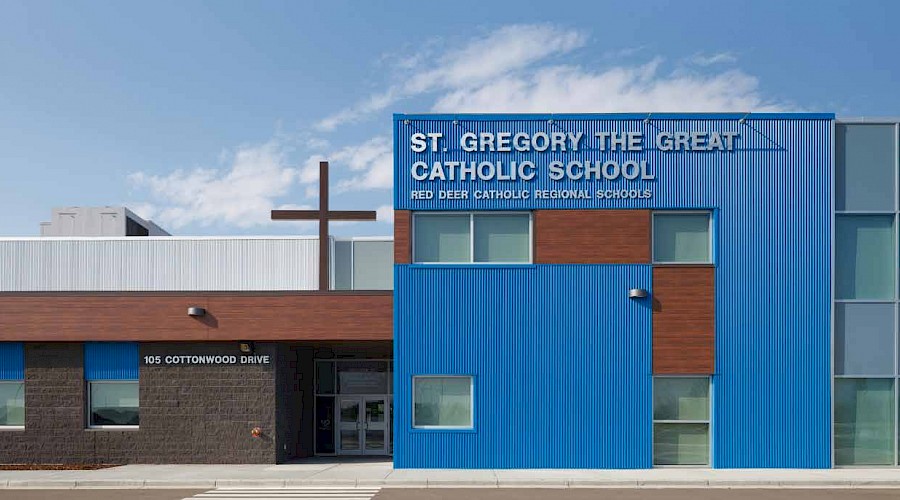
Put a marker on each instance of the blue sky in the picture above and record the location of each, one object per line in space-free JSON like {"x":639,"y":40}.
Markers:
{"x":204,"y":116}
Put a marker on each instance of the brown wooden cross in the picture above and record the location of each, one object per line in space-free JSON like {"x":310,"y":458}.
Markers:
{"x":323,"y":215}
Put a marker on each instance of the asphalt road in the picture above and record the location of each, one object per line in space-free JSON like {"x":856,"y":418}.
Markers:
{"x":494,"y":494}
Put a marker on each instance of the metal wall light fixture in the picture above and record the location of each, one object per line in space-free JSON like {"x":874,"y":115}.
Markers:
{"x":196,"y":312}
{"x":638,"y":293}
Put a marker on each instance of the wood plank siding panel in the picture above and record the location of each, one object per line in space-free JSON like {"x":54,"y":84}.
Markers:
{"x":592,"y":236}
{"x":402,"y":234}
{"x":683,"y":320}
{"x":163,"y":317}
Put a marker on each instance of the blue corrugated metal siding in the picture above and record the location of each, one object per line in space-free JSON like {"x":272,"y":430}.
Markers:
{"x":12,"y":361}
{"x":771,"y":396}
{"x":560,"y":358}
{"x":111,"y":361}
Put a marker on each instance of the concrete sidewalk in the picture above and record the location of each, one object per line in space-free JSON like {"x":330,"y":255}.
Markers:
{"x":381,"y":473}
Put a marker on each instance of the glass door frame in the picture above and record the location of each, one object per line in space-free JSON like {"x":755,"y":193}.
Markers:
{"x":336,"y":398}
{"x":363,"y":424}
{"x":342,"y":425}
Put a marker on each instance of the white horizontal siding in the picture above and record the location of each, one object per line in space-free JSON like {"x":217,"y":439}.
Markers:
{"x":158,"y":264}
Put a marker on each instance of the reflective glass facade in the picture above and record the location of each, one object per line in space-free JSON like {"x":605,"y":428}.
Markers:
{"x":866,"y":306}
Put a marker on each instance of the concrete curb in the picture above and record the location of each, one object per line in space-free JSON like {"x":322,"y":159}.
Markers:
{"x":556,"y":483}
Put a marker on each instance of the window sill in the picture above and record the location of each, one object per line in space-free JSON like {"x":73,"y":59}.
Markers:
{"x":11,"y":428}
{"x":683,"y":264}
{"x":430,"y":430}
{"x":113,"y":428}
{"x":472,"y":265}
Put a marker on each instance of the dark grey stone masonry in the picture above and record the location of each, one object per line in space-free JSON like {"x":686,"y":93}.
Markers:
{"x":189,"y":413}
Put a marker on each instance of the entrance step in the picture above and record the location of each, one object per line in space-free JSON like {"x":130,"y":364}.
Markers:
{"x":313,"y":493}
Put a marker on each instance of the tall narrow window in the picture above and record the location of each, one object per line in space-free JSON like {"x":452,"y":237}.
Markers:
{"x":111,"y":374}
{"x":12,"y":384}
{"x":682,"y":238}
{"x":681,"y":421}
{"x":442,"y":402}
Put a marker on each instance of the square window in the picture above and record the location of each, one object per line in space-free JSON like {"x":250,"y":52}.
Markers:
{"x":681,"y":421}
{"x":865,"y":165}
{"x":113,"y":403}
{"x":865,"y":264}
{"x":443,"y":402}
{"x":12,"y":403}
{"x":680,"y":444}
{"x":682,"y":238}
{"x":864,"y":421}
{"x":861,"y":332}
{"x":502,"y":238}
{"x":442,"y":238}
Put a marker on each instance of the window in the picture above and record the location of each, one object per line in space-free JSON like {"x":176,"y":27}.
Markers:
{"x":865,"y":262}
{"x":472,"y":238}
{"x":12,"y":384}
{"x":681,"y":421}
{"x":865,"y":165}
{"x":12,"y":403}
{"x":111,"y":373}
{"x":864,"y":421}
{"x":443,"y":402}
{"x":682,"y":237}
{"x":113,"y":403}
{"x":364,"y":263}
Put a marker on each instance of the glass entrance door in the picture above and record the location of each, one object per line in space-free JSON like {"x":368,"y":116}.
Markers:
{"x":363,"y":425}
{"x":349,"y":428}
{"x":375,"y":426}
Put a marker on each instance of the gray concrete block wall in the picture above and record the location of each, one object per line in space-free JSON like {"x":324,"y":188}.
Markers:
{"x":189,"y":413}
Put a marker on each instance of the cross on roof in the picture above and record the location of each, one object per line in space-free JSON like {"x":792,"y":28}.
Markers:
{"x":323,"y":215}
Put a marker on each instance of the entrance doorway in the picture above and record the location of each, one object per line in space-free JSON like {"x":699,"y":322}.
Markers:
{"x":354,"y":407}
{"x":363,"y":425}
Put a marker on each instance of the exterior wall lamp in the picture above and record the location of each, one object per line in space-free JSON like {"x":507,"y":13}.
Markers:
{"x":196,"y":312}
{"x":246,"y":347}
{"x":638,"y":293}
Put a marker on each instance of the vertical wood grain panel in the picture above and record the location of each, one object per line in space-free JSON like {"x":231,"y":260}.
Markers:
{"x":402,"y":233}
{"x":162,"y":317}
{"x":683,"y":320}
{"x":592,"y":236}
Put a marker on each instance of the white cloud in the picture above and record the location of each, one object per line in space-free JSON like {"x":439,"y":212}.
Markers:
{"x":701,"y":59}
{"x":372,"y":164}
{"x":385,"y":213}
{"x":507,"y":49}
{"x":562,"y":89}
{"x":241,"y":194}
{"x":516,"y":68}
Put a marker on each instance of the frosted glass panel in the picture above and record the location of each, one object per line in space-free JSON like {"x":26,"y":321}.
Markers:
{"x":866,"y":263}
{"x":861,"y":332}
{"x":502,"y":238}
{"x":442,"y":238}
{"x":341,"y":261}
{"x":373,"y":265}
{"x":864,"y":422}
{"x":866,"y":158}
{"x":681,"y":238}
{"x":442,"y":401}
